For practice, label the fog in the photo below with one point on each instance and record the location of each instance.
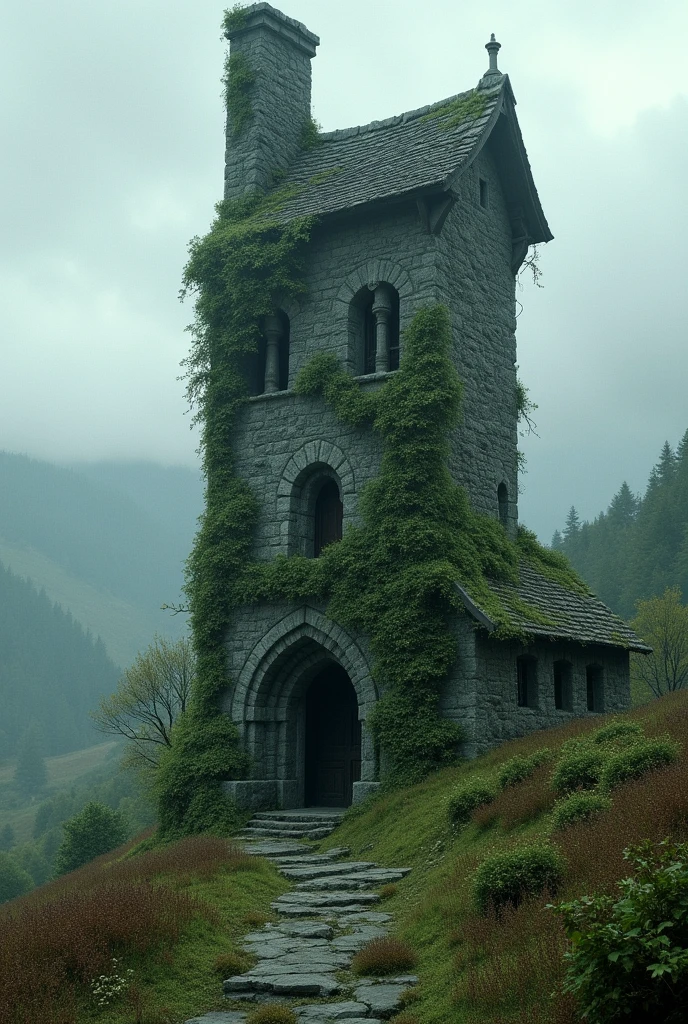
(112, 127)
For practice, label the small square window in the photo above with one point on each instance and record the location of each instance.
(484, 193)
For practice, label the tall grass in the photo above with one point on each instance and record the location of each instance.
(55, 941)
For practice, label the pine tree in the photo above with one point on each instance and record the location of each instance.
(572, 524)
(30, 774)
(557, 541)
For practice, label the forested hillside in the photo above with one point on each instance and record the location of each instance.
(51, 672)
(106, 540)
(639, 546)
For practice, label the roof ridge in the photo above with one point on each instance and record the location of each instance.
(408, 115)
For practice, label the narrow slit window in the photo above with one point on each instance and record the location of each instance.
(563, 686)
(484, 193)
(503, 504)
(329, 514)
(594, 681)
(526, 682)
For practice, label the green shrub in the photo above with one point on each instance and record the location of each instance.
(273, 1013)
(579, 769)
(619, 733)
(508, 877)
(14, 881)
(384, 956)
(518, 768)
(468, 797)
(577, 807)
(95, 831)
(638, 760)
(629, 957)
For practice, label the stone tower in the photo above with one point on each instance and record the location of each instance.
(436, 205)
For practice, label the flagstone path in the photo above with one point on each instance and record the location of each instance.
(323, 920)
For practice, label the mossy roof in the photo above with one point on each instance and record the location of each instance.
(558, 612)
(413, 153)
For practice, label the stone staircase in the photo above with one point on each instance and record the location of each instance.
(323, 920)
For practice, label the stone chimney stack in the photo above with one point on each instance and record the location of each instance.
(274, 53)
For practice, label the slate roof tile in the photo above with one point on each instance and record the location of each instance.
(582, 618)
(402, 154)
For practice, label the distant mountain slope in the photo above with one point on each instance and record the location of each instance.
(51, 671)
(106, 540)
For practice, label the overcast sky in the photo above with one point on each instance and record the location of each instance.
(112, 136)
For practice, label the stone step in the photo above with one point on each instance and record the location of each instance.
(273, 848)
(359, 880)
(325, 1013)
(285, 833)
(303, 860)
(328, 912)
(329, 817)
(325, 870)
(307, 984)
(334, 899)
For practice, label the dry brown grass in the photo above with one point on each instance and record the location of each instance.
(384, 956)
(508, 969)
(387, 891)
(229, 964)
(56, 940)
(274, 1013)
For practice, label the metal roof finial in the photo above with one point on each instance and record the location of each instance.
(493, 48)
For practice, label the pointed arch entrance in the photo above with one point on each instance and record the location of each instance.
(300, 703)
(332, 739)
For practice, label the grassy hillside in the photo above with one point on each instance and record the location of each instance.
(169, 914)
(487, 969)
(124, 627)
(66, 770)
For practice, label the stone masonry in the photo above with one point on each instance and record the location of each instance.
(435, 205)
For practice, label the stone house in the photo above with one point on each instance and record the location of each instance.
(436, 205)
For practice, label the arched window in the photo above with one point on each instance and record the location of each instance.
(328, 517)
(374, 329)
(268, 368)
(563, 686)
(503, 503)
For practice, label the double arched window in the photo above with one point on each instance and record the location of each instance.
(374, 329)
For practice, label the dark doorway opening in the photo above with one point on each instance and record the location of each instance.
(333, 740)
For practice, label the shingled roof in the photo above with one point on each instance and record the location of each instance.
(418, 152)
(582, 618)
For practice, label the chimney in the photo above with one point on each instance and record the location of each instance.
(272, 54)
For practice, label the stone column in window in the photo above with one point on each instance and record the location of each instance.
(382, 311)
(273, 335)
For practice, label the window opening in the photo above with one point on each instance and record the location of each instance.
(369, 337)
(563, 689)
(484, 193)
(503, 503)
(374, 329)
(526, 681)
(594, 688)
(329, 514)
(276, 334)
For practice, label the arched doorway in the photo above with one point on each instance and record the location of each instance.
(333, 739)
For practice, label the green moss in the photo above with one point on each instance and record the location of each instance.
(311, 134)
(238, 80)
(323, 176)
(234, 19)
(468, 107)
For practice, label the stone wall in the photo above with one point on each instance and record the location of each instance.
(476, 282)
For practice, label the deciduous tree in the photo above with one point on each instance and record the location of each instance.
(663, 623)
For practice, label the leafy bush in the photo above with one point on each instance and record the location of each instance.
(629, 957)
(638, 760)
(97, 830)
(619, 733)
(384, 956)
(518, 768)
(577, 807)
(465, 800)
(274, 1013)
(14, 881)
(579, 769)
(506, 878)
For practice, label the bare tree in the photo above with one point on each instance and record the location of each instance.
(662, 622)
(150, 696)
